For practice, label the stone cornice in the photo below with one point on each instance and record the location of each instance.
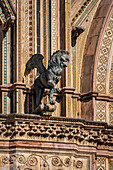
(65, 90)
(56, 129)
(92, 94)
(12, 87)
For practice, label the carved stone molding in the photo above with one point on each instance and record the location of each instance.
(56, 129)
(12, 87)
(8, 12)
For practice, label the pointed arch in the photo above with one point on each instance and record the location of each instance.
(91, 62)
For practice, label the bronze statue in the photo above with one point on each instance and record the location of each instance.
(48, 78)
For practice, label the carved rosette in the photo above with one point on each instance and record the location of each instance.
(56, 161)
(79, 164)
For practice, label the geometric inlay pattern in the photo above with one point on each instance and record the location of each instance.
(2, 17)
(30, 38)
(101, 111)
(5, 59)
(103, 56)
(111, 78)
(111, 165)
(26, 35)
(5, 103)
(19, 40)
(111, 113)
(54, 25)
(19, 59)
(68, 44)
(101, 164)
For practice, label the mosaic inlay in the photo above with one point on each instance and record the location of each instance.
(103, 57)
(101, 111)
(68, 44)
(19, 64)
(111, 165)
(19, 101)
(68, 40)
(74, 80)
(111, 113)
(30, 39)
(5, 58)
(53, 26)
(2, 16)
(101, 164)
(19, 40)
(74, 108)
(5, 103)
(44, 31)
(5, 70)
(26, 35)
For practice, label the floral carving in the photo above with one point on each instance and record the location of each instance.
(12, 159)
(67, 162)
(56, 161)
(36, 161)
(32, 160)
(79, 164)
(5, 160)
(21, 159)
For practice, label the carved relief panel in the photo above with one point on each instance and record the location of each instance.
(44, 162)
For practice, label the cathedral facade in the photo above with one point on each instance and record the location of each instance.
(79, 134)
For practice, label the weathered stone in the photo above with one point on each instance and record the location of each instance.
(102, 11)
(96, 27)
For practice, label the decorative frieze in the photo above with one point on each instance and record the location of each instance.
(53, 129)
(44, 161)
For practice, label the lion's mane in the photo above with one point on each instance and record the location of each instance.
(55, 58)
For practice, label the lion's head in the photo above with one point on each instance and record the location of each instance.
(60, 58)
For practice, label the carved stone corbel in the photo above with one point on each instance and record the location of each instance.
(76, 31)
(9, 22)
(9, 14)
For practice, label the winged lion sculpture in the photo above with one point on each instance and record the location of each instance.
(48, 78)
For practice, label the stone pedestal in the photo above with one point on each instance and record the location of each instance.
(45, 109)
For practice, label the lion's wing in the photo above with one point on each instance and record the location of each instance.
(35, 62)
